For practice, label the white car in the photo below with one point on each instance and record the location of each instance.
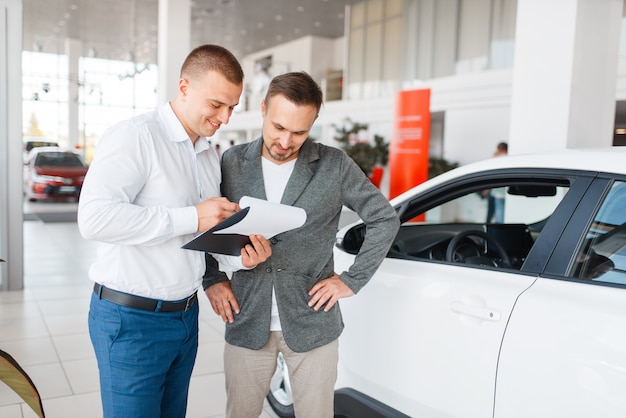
(467, 318)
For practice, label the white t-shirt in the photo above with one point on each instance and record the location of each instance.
(275, 178)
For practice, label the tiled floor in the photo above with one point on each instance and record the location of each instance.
(44, 327)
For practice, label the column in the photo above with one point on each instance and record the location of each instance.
(72, 50)
(564, 75)
(11, 213)
(174, 45)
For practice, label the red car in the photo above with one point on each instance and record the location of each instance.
(53, 173)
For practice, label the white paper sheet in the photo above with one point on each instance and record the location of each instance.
(266, 218)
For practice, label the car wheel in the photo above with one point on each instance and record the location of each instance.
(279, 396)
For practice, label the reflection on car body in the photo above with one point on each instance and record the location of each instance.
(470, 319)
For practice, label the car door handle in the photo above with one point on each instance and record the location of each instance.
(482, 312)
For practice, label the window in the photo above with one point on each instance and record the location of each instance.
(602, 256)
(456, 229)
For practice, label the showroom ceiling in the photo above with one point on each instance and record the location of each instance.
(127, 29)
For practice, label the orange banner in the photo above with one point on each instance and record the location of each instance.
(408, 148)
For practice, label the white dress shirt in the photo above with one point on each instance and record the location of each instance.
(138, 200)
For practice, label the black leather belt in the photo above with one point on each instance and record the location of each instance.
(145, 304)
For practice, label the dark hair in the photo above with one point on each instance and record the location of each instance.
(212, 58)
(503, 146)
(297, 87)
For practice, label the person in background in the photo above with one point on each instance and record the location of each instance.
(495, 197)
(289, 302)
(153, 184)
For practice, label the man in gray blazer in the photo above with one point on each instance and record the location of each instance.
(289, 303)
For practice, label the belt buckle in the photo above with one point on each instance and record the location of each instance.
(189, 302)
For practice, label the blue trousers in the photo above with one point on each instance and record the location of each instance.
(145, 359)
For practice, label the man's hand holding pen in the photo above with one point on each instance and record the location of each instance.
(213, 211)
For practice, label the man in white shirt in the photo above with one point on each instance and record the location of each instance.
(153, 184)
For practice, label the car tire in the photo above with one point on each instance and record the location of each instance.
(280, 397)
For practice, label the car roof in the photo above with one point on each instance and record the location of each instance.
(608, 160)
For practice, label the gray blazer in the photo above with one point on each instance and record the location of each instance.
(324, 179)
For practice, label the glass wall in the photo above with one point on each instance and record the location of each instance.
(108, 91)
(391, 42)
(45, 93)
(375, 48)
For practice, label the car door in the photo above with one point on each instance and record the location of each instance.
(429, 344)
(564, 350)
(424, 335)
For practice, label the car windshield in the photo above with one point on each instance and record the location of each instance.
(59, 159)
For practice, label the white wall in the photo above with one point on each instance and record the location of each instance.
(471, 134)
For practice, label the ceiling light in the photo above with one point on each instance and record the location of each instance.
(300, 9)
(317, 24)
(278, 18)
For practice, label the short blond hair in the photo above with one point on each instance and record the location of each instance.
(212, 58)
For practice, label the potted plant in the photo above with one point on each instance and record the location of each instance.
(438, 166)
(370, 157)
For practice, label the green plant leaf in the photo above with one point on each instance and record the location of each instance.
(16, 378)
(365, 154)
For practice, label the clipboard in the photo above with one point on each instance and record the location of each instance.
(257, 216)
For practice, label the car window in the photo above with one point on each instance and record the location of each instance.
(59, 159)
(602, 256)
(462, 228)
(474, 207)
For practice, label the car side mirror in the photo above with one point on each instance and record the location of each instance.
(353, 239)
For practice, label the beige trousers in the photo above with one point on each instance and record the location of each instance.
(312, 376)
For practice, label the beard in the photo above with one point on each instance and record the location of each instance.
(273, 152)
